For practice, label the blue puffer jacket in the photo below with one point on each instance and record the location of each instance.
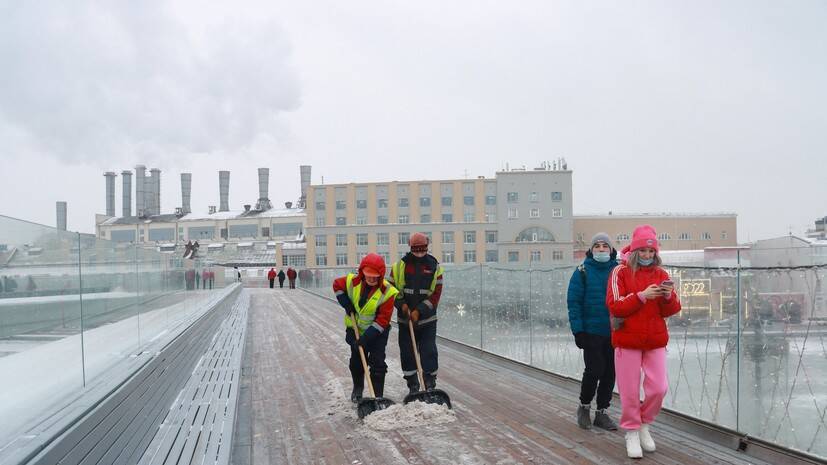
(587, 305)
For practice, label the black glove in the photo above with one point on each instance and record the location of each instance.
(350, 309)
(580, 340)
(368, 336)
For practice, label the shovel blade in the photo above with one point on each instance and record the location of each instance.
(368, 405)
(434, 396)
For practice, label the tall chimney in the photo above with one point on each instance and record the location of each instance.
(263, 187)
(126, 177)
(224, 191)
(140, 190)
(156, 190)
(61, 215)
(186, 189)
(305, 184)
(110, 192)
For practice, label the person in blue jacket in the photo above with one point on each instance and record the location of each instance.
(589, 320)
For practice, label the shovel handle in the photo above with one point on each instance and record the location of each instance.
(416, 355)
(362, 355)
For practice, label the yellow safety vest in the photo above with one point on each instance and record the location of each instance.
(398, 273)
(366, 314)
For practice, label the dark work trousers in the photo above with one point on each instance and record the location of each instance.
(599, 375)
(281, 283)
(375, 353)
(425, 343)
(272, 281)
(292, 284)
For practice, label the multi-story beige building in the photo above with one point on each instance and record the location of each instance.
(520, 216)
(675, 231)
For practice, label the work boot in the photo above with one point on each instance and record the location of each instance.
(358, 387)
(584, 417)
(413, 384)
(633, 450)
(602, 420)
(646, 441)
(430, 382)
(378, 380)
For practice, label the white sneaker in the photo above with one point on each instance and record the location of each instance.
(646, 441)
(633, 449)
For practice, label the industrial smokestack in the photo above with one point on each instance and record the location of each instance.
(305, 184)
(126, 177)
(61, 215)
(186, 189)
(224, 191)
(156, 190)
(263, 187)
(140, 190)
(110, 192)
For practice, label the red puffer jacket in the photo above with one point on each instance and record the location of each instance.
(643, 326)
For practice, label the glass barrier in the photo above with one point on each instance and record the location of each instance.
(78, 312)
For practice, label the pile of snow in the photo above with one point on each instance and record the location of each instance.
(413, 415)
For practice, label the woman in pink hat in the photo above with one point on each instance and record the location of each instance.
(640, 297)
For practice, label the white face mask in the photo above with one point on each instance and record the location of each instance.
(645, 261)
(601, 257)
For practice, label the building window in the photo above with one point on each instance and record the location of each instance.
(470, 237)
(382, 219)
(403, 219)
(403, 202)
(265, 231)
(557, 255)
(385, 256)
(706, 236)
(512, 197)
(535, 234)
(383, 238)
(469, 217)
(362, 204)
(513, 256)
(685, 236)
(341, 259)
(512, 213)
(533, 197)
(402, 238)
(535, 255)
(468, 200)
(319, 205)
(362, 239)
(556, 196)
(491, 256)
(447, 237)
(319, 221)
(491, 237)
(341, 205)
(321, 241)
(447, 218)
(534, 213)
(341, 221)
(447, 201)
(321, 260)
(361, 220)
(381, 203)
(491, 217)
(491, 200)
(664, 237)
(296, 260)
(556, 212)
(470, 256)
(360, 256)
(425, 218)
(341, 240)
(447, 257)
(622, 237)
(424, 201)
(723, 235)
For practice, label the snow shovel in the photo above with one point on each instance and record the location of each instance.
(434, 396)
(367, 405)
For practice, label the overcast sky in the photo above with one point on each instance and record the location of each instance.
(657, 106)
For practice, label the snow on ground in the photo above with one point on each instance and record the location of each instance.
(412, 415)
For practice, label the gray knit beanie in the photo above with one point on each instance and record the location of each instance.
(602, 237)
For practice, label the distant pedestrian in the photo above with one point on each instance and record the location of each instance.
(205, 276)
(281, 276)
(291, 276)
(197, 279)
(589, 321)
(640, 297)
(271, 276)
(238, 274)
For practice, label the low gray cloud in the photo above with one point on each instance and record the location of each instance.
(91, 81)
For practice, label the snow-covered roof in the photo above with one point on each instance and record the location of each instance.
(241, 214)
(294, 245)
(244, 244)
(216, 246)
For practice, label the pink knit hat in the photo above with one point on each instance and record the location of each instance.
(644, 236)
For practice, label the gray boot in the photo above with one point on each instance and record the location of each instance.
(584, 419)
(602, 420)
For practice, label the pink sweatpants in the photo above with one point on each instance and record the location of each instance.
(628, 364)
